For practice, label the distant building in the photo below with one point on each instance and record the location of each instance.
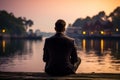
(73, 31)
(37, 32)
(30, 32)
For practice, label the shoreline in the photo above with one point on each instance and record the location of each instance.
(22, 38)
(96, 37)
(42, 75)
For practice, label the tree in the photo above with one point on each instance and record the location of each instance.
(12, 24)
(115, 15)
(28, 23)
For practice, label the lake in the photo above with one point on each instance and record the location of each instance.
(98, 55)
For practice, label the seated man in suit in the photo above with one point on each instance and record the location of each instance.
(60, 53)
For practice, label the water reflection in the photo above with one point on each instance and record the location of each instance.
(98, 55)
(10, 47)
(17, 55)
(99, 45)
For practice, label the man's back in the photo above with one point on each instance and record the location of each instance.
(59, 49)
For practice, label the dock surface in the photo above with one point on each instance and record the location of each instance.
(40, 75)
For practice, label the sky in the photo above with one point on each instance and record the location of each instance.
(45, 13)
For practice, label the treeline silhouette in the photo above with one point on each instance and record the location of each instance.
(14, 25)
(101, 21)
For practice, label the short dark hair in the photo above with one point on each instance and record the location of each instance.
(60, 25)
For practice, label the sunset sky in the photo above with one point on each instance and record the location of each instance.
(44, 13)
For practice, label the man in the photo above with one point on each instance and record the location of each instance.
(60, 53)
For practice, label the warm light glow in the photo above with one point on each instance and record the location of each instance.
(92, 32)
(3, 30)
(84, 32)
(102, 32)
(117, 29)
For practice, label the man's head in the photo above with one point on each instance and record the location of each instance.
(60, 25)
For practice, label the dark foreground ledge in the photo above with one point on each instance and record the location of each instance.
(40, 75)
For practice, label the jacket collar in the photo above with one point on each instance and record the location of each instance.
(59, 34)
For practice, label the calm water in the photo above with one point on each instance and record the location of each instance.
(98, 55)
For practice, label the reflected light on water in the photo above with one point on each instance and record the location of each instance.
(102, 45)
(3, 45)
(97, 56)
(84, 45)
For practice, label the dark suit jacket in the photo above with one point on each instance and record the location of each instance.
(59, 54)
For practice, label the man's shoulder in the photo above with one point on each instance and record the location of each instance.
(69, 38)
(49, 38)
